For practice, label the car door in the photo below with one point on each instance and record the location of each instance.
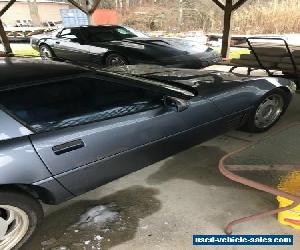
(101, 41)
(69, 45)
(89, 131)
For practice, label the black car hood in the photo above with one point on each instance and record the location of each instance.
(201, 80)
(175, 43)
(185, 46)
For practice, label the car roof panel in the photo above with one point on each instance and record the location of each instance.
(19, 71)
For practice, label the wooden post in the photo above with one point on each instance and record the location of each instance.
(228, 9)
(226, 29)
(4, 39)
(3, 36)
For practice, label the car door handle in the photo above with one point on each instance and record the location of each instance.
(57, 42)
(68, 146)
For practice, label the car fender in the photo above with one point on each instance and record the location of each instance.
(19, 162)
(20, 166)
(246, 95)
(132, 52)
(46, 41)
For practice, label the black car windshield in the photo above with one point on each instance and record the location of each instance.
(104, 34)
(127, 32)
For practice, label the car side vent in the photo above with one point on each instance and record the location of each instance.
(236, 121)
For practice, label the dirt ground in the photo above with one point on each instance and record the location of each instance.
(163, 205)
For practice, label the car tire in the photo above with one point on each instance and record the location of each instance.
(20, 216)
(46, 53)
(114, 59)
(268, 111)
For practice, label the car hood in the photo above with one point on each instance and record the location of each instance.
(44, 35)
(198, 79)
(175, 43)
(204, 82)
(180, 45)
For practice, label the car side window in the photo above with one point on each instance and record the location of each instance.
(65, 32)
(74, 35)
(68, 34)
(75, 102)
(100, 35)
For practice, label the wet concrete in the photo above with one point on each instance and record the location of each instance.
(60, 230)
(162, 205)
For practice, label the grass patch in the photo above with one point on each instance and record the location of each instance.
(236, 52)
(30, 52)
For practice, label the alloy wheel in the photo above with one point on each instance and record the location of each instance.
(269, 111)
(14, 224)
(116, 61)
(45, 53)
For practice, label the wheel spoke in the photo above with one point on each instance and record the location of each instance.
(14, 224)
(268, 111)
(3, 228)
(11, 217)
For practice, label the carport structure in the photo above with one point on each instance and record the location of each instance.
(89, 6)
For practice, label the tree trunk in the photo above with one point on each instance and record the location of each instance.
(227, 29)
(90, 18)
(4, 39)
(180, 14)
(34, 12)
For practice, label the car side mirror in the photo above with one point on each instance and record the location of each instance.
(179, 104)
(81, 42)
(76, 40)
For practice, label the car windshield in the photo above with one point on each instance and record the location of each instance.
(102, 34)
(127, 32)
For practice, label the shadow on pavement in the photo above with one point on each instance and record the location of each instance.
(199, 164)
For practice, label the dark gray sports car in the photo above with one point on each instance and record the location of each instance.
(117, 45)
(62, 123)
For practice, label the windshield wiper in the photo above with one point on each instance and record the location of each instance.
(168, 81)
(151, 76)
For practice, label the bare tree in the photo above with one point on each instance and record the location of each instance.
(127, 4)
(34, 12)
(180, 10)
(87, 6)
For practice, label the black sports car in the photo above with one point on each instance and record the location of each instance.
(111, 45)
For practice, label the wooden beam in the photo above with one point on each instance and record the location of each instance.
(6, 7)
(77, 5)
(4, 39)
(94, 7)
(238, 4)
(3, 36)
(220, 4)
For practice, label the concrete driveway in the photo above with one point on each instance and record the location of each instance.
(163, 205)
